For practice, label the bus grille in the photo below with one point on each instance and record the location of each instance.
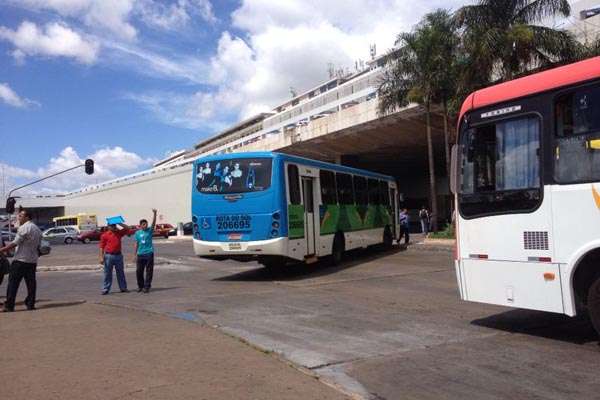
(535, 240)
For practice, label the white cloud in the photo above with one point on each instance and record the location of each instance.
(286, 44)
(109, 163)
(56, 40)
(8, 96)
(175, 15)
(106, 15)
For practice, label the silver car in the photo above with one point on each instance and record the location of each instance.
(63, 234)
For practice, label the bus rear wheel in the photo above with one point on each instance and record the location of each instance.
(593, 304)
(388, 238)
(337, 252)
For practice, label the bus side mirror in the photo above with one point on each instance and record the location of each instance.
(454, 169)
(10, 205)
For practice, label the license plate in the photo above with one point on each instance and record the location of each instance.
(235, 236)
(239, 223)
(235, 246)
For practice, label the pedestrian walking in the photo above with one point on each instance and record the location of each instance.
(144, 254)
(111, 256)
(424, 217)
(24, 264)
(404, 222)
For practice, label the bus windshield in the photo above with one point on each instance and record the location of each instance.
(500, 167)
(238, 175)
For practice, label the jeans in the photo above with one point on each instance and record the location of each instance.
(145, 262)
(20, 270)
(111, 260)
(424, 226)
(404, 232)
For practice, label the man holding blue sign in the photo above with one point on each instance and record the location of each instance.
(144, 254)
(111, 255)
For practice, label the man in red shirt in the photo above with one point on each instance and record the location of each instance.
(110, 255)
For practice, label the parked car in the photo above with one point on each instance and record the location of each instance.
(162, 230)
(91, 236)
(188, 229)
(64, 235)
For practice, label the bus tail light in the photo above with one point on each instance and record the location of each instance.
(540, 259)
(479, 256)
(549, 276)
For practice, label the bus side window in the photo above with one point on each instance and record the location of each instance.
(374, 192)
(328, 190)
(344, 188)
(384, 193)
(360, 189)
(294, 184)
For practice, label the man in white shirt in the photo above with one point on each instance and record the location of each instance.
(24, 264)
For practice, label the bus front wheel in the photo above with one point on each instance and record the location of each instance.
(593, 303)
(337, 252)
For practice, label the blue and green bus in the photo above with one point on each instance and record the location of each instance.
(272, 207)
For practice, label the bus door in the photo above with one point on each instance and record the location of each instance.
(308, 198)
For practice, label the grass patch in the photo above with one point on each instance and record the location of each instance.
(446, 233)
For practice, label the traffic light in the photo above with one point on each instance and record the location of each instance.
(89, 166)
(10, 205)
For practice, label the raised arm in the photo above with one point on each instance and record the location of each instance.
(154, 211)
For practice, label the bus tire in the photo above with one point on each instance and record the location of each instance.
(388, 238)
(338, 248)
(593, 303)
(68, 240)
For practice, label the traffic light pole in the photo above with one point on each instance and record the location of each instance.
(9, 197)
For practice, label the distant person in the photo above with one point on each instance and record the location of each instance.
(144, 254)
(24, 264)
(424, 217)
(111, 256)
(404, 222)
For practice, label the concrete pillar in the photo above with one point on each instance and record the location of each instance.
(180, 230)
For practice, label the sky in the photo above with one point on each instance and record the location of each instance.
(128, 82)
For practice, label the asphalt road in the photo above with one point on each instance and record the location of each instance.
(382, 325)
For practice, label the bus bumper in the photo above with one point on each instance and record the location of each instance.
(277, 247)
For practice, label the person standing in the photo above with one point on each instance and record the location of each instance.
(404, 222)
(24, 264)
(144, 254)
(111, 256)
(424, 217)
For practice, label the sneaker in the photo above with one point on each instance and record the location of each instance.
(124, 291)
(146, 290)
(104, 292)
(140, 290)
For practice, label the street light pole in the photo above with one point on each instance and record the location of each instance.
(10, 201)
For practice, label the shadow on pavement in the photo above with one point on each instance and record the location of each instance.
(299, 271)
(160, 289)
(577, 330)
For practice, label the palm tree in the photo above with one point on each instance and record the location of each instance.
(503, 39)
(419, 70)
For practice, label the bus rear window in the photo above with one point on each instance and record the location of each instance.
(240, 175)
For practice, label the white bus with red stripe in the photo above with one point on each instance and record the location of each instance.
(526, 176)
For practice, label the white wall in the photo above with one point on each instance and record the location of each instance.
(168, 191)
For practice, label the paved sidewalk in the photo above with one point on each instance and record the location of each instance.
(92, 351)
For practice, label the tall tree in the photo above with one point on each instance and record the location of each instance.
(503, 39)
(419, 70)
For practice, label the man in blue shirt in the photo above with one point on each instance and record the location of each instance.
(144, 254)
